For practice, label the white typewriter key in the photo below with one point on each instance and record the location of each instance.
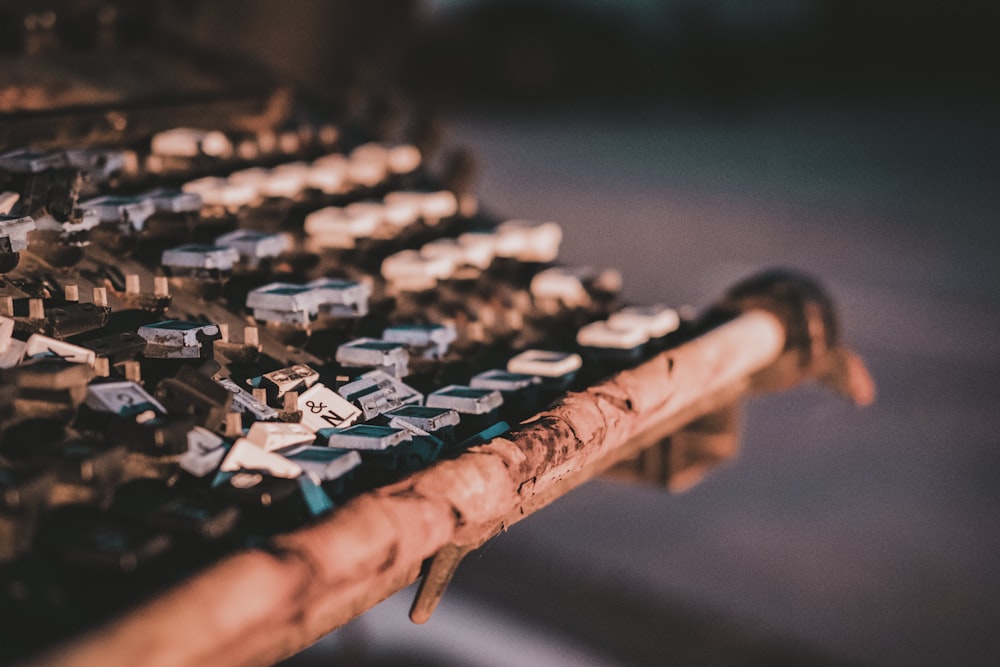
(403, 159)
(512, 239)
(199, 256)
(436, 206)
(421, 335)
(178, 333)
(341, 298)
(99, 165)
(370, 212)
(479, 248)
(245, 455)
(289, 142)
(440, 267)
(292, 378)
(12, 354)
(371, 352)
(366, 437)
(283, 298)
(244, 401)
(428, 340)
(503, 380)
(216, 144)
(563, 285)
(370, 152)
(118, 208)
(377, 392)
(602, 335)
(246, 480)
(401, 209)
(529, 241)
(121, 398)
(169, 200)
(204, 454)
(190, 142)
(153, 351)
(544, 241)
(368, 165)
(7, 201)
(409, 270)
(447, 248)
(336, 227)
(255, 245)
(88, 220)
(657, 321)
(324, 408)
(367, 174)
(247, 149)
(273, 436)
(331, 239)
(31, 161)
(545, 363)
(608, 280)
(329, 174)
(14, 232)
(6, 332)
(286, 180)
(254, 177)
(323, 463)
(465, 400)
(427, 419)
(396, 422)
(216, 191)
(39, 345)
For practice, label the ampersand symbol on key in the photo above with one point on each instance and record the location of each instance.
(314, 407)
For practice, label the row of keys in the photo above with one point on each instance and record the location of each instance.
(384, 329)
(472, 252)
(343, 227)
(366, 166)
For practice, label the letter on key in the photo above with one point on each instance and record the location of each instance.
(322, 408)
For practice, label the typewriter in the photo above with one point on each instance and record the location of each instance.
(227, 310)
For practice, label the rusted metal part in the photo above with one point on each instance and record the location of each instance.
(259, 606)
(812, 351)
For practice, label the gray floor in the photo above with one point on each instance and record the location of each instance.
(860, 536)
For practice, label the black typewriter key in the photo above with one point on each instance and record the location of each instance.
(117, 347)
(256, 490)
(25, 488)
(201, 515)
(37, 608)
(87, 470)
(87, 538)
(521, 392)
(136, 500)
(196, 521)
(267, 504)
(25, 491)
(438, 422)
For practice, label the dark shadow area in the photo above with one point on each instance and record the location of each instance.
(500, 52)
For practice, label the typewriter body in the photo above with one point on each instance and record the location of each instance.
(233, 316)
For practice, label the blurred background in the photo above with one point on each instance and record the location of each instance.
(690, 143)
